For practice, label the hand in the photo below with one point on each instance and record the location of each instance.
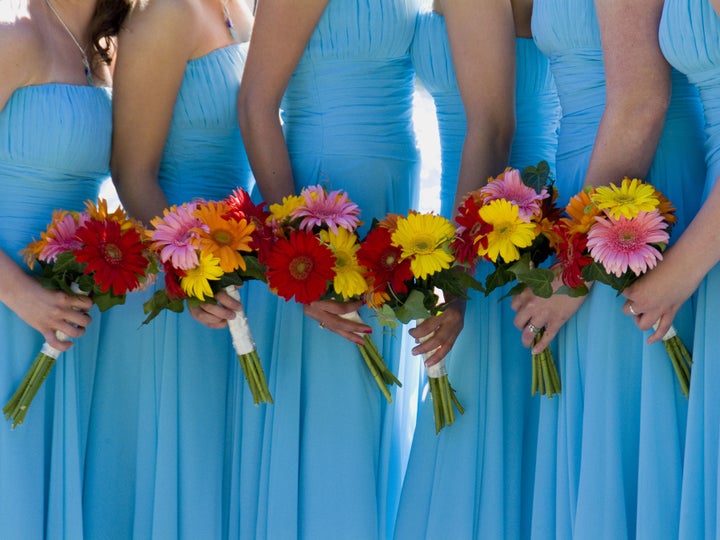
(441, 332)
(327, 313)
(533, 312)
(216, 315)
(50, 311)
(657, 296)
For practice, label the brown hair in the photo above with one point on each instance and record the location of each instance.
(106, 23)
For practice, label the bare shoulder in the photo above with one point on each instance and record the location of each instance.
(162, 18)
(20, 48)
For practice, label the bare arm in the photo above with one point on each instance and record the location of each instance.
(280, 34)
(153, 51)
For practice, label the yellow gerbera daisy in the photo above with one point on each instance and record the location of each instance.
(280, 211)
(224, 238)
(633, 196)
(509, 231)
(348, 280)
(196, 282)
(423, 238)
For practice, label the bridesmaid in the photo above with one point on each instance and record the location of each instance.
(690, 39)
(170, 400)
(55, 126)
(475, 478)
(616, 446)
(343, 73)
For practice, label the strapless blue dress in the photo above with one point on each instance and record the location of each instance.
(54, 154)
(475, 478)
(690, 39)
(329, 462)
(611, 458)
(170, 398)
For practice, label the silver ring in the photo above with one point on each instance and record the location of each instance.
(632, 311)
(534, 330)
(322, 325)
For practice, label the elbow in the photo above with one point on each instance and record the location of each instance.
(494, 133)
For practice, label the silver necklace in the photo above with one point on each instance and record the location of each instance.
(85, 62)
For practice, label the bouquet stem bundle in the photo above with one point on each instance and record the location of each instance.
(545, 377)
(247, 353)
(442, 393)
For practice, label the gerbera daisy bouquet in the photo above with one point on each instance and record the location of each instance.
(614, 234)
(210, 246)
(96, 253)
(510, 223)
(314, 256)
(411, 271)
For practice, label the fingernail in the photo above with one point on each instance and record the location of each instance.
(368, 331)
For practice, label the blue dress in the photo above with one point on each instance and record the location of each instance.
(170, 395)
(475, 478)
(329, 466)
(690, 39)
(56, 167)
(616, 443)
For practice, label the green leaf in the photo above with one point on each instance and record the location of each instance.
(386, 316)
(577, 291)
(158, 302)
(538, 279)
(498, 278)
(413, 308)
(537, 177)
(106, 300)
(595, 272)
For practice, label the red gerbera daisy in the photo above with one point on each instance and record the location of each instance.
(572, 256)
(115, 257)
(241, 206)
(471, 230)
(383, 264)
(172, 282)
(300, 266)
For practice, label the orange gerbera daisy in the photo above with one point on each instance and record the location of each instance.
(224, 238)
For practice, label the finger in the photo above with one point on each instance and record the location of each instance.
(207, 319)
(52, 340)
(81, 303)
(629, 309)
(425, 328)
(437, 355)
(227, 301)
(218, 311)
(663, 326)
(78, 318)
(546, 339)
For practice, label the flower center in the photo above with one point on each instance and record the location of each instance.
(222, 237)
(388, 260)
(301, 267)
(112, 254)
(424, 244)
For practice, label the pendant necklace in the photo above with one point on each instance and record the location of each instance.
(228, 20)
(85, 62)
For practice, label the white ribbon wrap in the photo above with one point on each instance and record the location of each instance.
(436, 370)
(239, 327)
(671, 333)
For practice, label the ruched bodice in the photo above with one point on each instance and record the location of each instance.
(690, 40)
(54, 153)
(353, 86)
(204, 154)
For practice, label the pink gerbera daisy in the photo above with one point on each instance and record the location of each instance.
(509, 186)
(322, 209)
(173, 236)
(622, 244)
(62, 236)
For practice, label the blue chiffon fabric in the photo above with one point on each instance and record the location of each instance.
(329, 465)
(54, 154)
(475, 478)
(690, 39)
(170, 399)
(610, 454)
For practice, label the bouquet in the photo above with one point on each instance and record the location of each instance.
(509, 222)
(408, 264)
(94, 253)
(206, 247)
(614, 234)
(314, 256)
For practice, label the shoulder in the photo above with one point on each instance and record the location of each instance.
(162, 18)
(21, 49)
